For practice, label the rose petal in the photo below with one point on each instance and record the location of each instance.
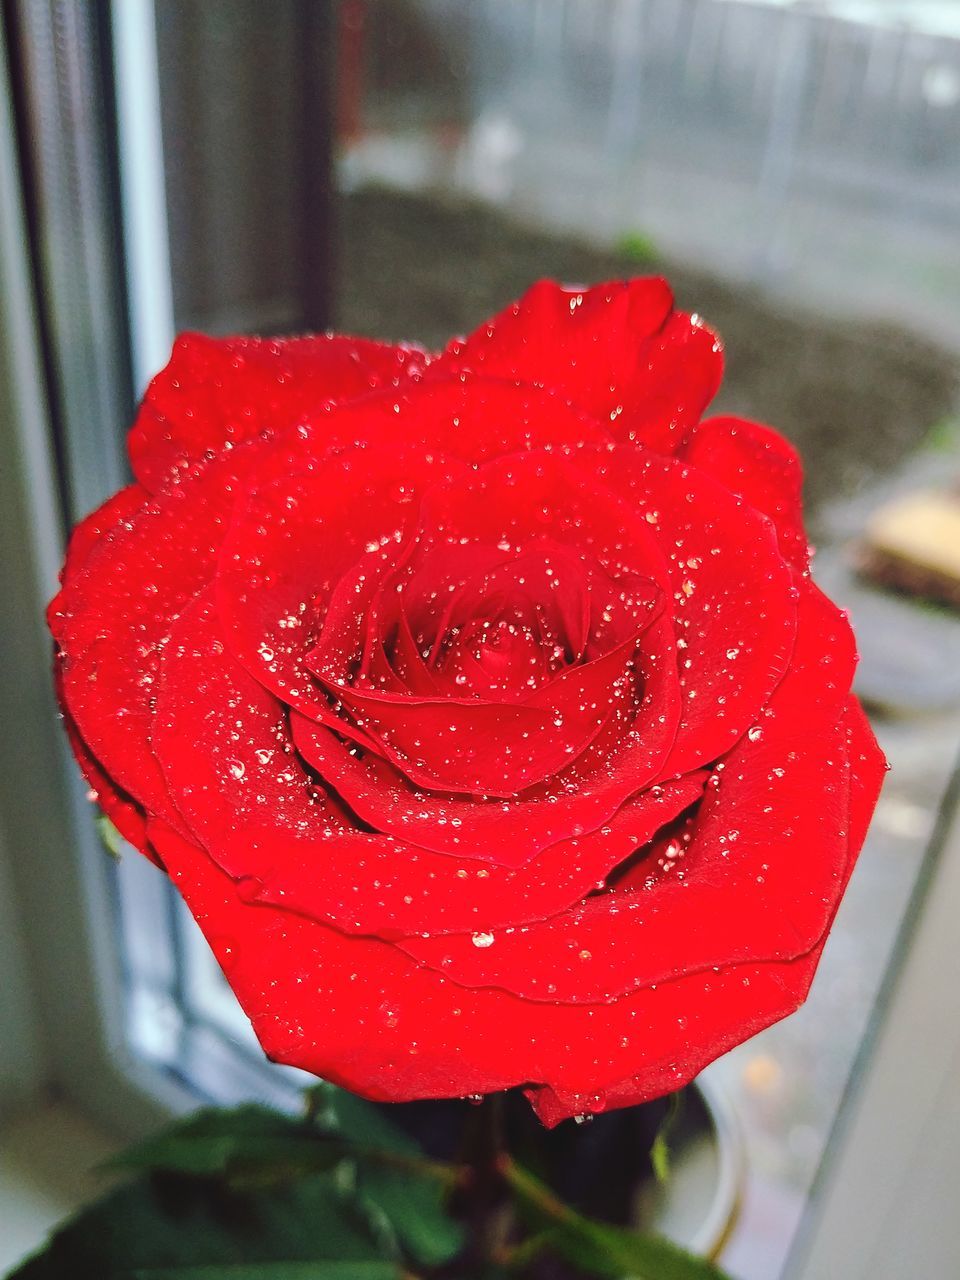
(125, 814)
(85, 536)
(682, 374)
(867, 769)
(699, 1018)
(222, 742)
(764, 468)
(617, 350)
(357, 1012)
(734, 597)
(113, 615)
(216, 392)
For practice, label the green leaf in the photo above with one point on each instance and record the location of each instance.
(278, 1271)
(252, 1149)
(601, 1250)
(225, 1190)
(110, 837)
(637, 247)
(238, 1142)
(406, 1190)
(336, 1112)
(660, 1158)
(169, 1221)
(660, 1150)
(596, 1248)
(415, 1209)
(252, 1145)
(943, 436)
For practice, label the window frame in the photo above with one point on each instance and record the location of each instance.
(55, 369)
(884, 1203)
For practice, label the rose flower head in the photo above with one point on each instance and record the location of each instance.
(480, 705)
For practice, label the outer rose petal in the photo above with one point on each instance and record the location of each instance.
(617, 350)
(471, 418)
(734, 597)
(127, 816)
(682, 375)
(780, 989)
(357, 1012)
(122, 506)
(867, 769)
(122, 811)
(219, 391)
(764, 468)
(112, 616)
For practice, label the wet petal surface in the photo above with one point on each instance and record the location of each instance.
(217, 392)
(618, 350)
(480, 706)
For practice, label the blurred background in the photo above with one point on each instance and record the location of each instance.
(403, 168)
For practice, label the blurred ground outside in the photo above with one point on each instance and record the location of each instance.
(808, 149)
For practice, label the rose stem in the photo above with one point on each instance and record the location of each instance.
(484, 1190)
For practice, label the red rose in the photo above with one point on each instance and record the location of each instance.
(480, 705)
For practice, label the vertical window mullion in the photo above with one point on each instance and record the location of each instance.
(66, 145)
(143, 188)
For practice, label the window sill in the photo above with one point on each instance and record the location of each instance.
(48, 1159)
